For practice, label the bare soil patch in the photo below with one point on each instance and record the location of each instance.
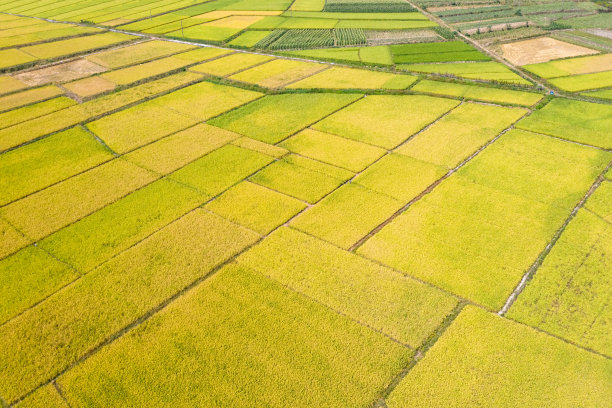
(90, 86)
(541, 49)
(59, 73)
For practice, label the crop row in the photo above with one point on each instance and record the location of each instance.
(368, 6)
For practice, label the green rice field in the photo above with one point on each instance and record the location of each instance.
(242, 203)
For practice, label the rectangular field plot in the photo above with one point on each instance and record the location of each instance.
(335, 150)
(478, 92)
(76, 45)
(399, 176)
(347, 78)
(9, 84)
(457, 370)
(385, 120)
(299, 177)
(13, 57)
(33, 111)
(436, 52)
(51, 209)
(572, 66)
(47, 161)
(29, 96)
(492, 71)
(582, 122)
(177, 150)
(347, 215)
(11, 240)
(255, 207)
(125, 76)
(105, 233)
(285, 331)
(498, 223)
(383, 299)
(569, 294)
(249, 38)
(273, 118)
(137, 53)
(460, 133)
(231, 64)
(52, 335)
(278, 73)
(600, 202)
(584, 82)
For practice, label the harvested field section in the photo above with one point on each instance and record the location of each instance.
(302, 178)
(273, 118)
(58, 73)
(278, 73)
(460, 133)
(9, 84)
(346, 215)
(385, 121)
(285, 332)
(400, 307)
(40, 164)
(569, 293)
(90, 86)
(48, 338)
(478, 345)
(541, 49)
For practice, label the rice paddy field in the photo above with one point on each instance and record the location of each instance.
(243, 203)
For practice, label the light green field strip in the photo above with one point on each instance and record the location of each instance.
(385, 300)
(255, 207)
(302, 178)
(38, 165)
(49, 210)
(13, 57)
(570, 293)
(76, 45)
(460, 133)
(600, 201)
(10, 239)
(307, 5)
(273, 368)
(582, 122)
(10, 84)
(261, 147)
(137, 54)
(27, 277)
(530, 369)
(572, 66)
(354, 15)
(584, 82)
(177, 150)
(385, 120)
(33, 111)
(249, 38)
(221, 169)
(26, 131)
(524, 186)
(278, 73)
(347, 78)
(273, 118)
(48, 338)
(218, 30)
(604, 94)
(336, 150)
(478, 92)
(105, 233)
(45, 397)
(346, 215)
(489, 70)
(400, 176)
(231, 64)
(29, 96)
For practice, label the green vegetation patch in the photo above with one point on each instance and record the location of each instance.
(368, 6)
(249, 39)
(347, 215)
(582, 122)
(456, 371)
(336, 150)
(569, 293)
(385, 120)
(137, 53)
(54, 334)
(491, 71)
(273, 118)
(285, 332)
(400, 307)
(400, 176)
(255, 207)
(460, 133)
(301, 177)
(47, 161)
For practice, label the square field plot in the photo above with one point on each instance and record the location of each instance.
(402, 308)
(300, 177)
(347, 215)
(336, 150)
(284, 331)
(386, 121)
(275, 117)
(255, 207)
(569, 294)
(278, 73)
(530, 368)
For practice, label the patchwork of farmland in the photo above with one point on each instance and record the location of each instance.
(325, 222)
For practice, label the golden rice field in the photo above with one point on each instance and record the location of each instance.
(190, 220)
